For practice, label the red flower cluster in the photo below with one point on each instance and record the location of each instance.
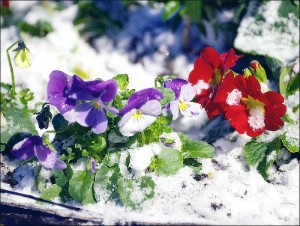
(238, 97)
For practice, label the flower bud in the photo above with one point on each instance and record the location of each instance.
(23, 57)
(258, 71)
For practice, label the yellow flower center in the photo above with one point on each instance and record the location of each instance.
(251, 103)
(96, 105)
(137, 115)
(182, 105)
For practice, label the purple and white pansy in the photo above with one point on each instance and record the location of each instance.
(184, 94)
(82, 102)
(141, 111)
(33, 146)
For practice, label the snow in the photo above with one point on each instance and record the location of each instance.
(225, 191)
(256, 118)
(272, 35)
(234, 97)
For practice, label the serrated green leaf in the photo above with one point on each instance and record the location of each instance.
(196, 149)
(17, 126)
(134, 192)
(168, 162)
(122, 81)
(81, 186)
(106, 179)
(170, 9)
(50, 193)
(254, 152)
(169, 95)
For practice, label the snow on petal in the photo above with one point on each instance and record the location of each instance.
(256, 119)
(234, 97)
(200, 86)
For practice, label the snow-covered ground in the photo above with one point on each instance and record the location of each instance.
(225, 191)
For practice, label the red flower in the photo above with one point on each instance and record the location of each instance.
(248, 109)
(208, 72)
(5, 3)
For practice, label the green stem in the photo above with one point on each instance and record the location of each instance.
(143, 141)
(11, 68)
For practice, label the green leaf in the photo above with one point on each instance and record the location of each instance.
(60, 178)
(171, 8)
(290, 138)
(112, 158)
(269, 158)
(168, 162)
(81, 187)
(106, 179)
(98, 145)
(169, 95)
(284, 79)
(50, 193)
(196, 149)
(122, 81)
(193, 164)
(293, 85)
(254, 152)
(133, 193)
(288, 7)
(15, 126)
(194, 10)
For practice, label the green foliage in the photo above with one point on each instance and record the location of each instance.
(169, 96)
(196, 149)
(106, 179)
(288, 7)
(122, 81)
(93, 20)
(192, 163)
(170, 9)
(81, 187)
(15, 126)
(262, 154)
(50, 193)
(133, 193)
(40, 29)
(168, 162)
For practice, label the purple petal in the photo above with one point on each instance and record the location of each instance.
(175, 85)
(138, 99)
(111, 109)
(98, 120)
(25, 148)
(60, 165)
(58, 91)
(81, 113)
(45, 156)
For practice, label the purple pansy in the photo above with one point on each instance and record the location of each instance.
(33, 146)
(80, 101)
(142, 109)
(92, 111)
(184, 94)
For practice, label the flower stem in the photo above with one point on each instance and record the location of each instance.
(143, 141)
(11, 69)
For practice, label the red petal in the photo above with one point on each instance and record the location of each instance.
(226, 86)
(237, 116)
(201, 71)
(253, 84)
(254, 133)
(273, 97)
(273, 122)
(229, 60)
(211, 56)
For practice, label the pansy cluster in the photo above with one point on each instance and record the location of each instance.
(238, 97)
